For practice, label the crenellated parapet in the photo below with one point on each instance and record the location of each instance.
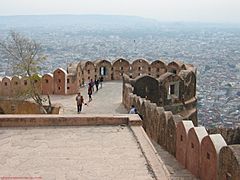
(63, 82)
(165, 97)
(229, 162)
(174, 92)
(207, 156)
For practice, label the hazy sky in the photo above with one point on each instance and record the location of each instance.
(164, 10)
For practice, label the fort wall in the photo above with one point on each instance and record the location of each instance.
(64, 82)
(230, 135)
(47, 84)
(165, 97)
(207, 156)
(23, 107)
(229, 162)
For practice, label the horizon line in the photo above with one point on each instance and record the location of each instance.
(137, 16)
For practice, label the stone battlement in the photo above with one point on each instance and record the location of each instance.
(207, 156)
(63, 82)
(165, 97)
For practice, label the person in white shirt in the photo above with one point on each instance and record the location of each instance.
(133, 110)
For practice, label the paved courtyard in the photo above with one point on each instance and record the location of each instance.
(108, 100)
(95, 152)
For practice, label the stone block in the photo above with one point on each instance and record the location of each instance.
(210, 148)
(193, 154)
(229, 162)
(182, 130)
(171, 134)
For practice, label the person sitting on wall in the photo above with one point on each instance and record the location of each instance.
(133, 110)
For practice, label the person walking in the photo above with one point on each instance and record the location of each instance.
(91, 83)
(96, 84)
(80, 102)
(90, 93)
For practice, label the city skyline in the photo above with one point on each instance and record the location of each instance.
(220, 11)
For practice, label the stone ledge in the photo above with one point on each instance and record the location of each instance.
(68, 120)
(134, 120)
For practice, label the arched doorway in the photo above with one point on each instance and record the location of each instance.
(102, 71)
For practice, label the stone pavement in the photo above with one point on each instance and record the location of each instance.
(108, 100)
(93, 152)
(87, 153)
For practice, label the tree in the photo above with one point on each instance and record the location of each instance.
(25, 58)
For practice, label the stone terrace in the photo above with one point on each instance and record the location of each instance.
(72, 153)
(115, 151)
(108, 100)
(117, 148)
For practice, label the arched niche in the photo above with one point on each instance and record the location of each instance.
(158, 68)
(47, 84)
(140, 67)
(120, 66)
(60, 81)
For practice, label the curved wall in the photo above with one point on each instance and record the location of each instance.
(68, 82)
(206, 156)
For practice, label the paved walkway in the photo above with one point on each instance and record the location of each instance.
(107, 100)
(87, 153)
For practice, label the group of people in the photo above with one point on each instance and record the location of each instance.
(80, 100)
(96, 82)
(79, 97)
(91, 84)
